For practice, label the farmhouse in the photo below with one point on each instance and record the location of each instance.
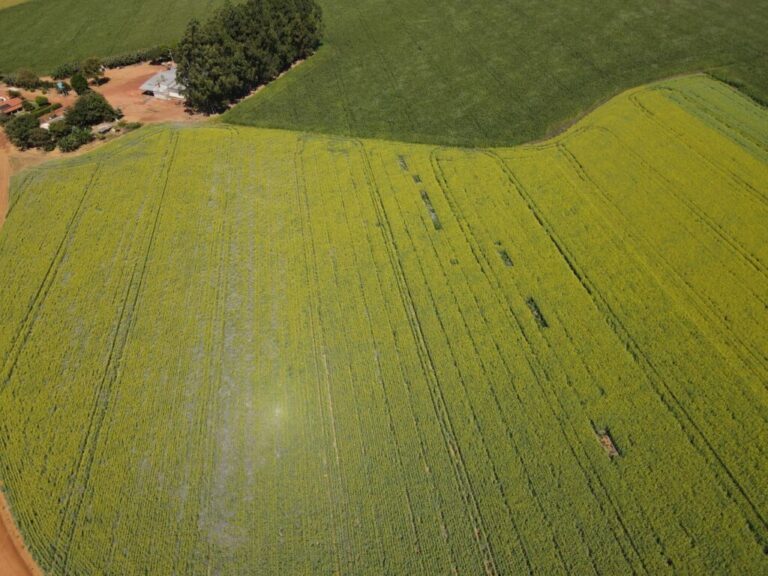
(164, 86)
(10, 106)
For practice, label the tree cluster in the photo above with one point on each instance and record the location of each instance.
(25, 79)
(154, 55)
(90, 109)
(24, 130)
(243, 46)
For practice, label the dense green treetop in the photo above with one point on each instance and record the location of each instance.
(243, 46)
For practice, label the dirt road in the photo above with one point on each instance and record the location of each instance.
(15, 559)
(5, 176)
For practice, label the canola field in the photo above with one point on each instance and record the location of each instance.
(236, 350)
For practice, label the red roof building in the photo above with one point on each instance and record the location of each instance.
(11, 106)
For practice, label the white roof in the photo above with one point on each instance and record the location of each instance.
(163, 82)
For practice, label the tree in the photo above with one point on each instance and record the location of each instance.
(41, 138)
(19, 128)
(27, 79)
(75, 139)
(90, 109)
(243, 46)
(79, 83)
(59, 129)
(92, 68)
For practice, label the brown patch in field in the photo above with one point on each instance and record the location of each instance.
(606, 441)
(506, 258)
(15, 559)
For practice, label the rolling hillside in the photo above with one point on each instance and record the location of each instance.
(41, 34)
(501, 72)
(232, 347)
(497, 72)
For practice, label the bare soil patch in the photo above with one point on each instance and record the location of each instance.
(606, 441)
(5, 176)
(123, 90)
(15, 559)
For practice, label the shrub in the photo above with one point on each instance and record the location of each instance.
(75, 139)
(90, 109)
(66, 70)
(41, 101)
(41, 138)
(91, 68)
(59, 129)
(18, 129)
(25, 79)
(79, 83)
(40, 112)
(28, 106)
(155, 55)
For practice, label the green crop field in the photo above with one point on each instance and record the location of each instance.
(498, 72)
(41, 34)
(234, 350)
(501, 72)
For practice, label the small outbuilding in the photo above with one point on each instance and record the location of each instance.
(104, 128)
(11, 106)
(164, 86)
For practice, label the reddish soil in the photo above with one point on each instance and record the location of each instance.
(5, 176)
(123, 91)
(15, 559)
